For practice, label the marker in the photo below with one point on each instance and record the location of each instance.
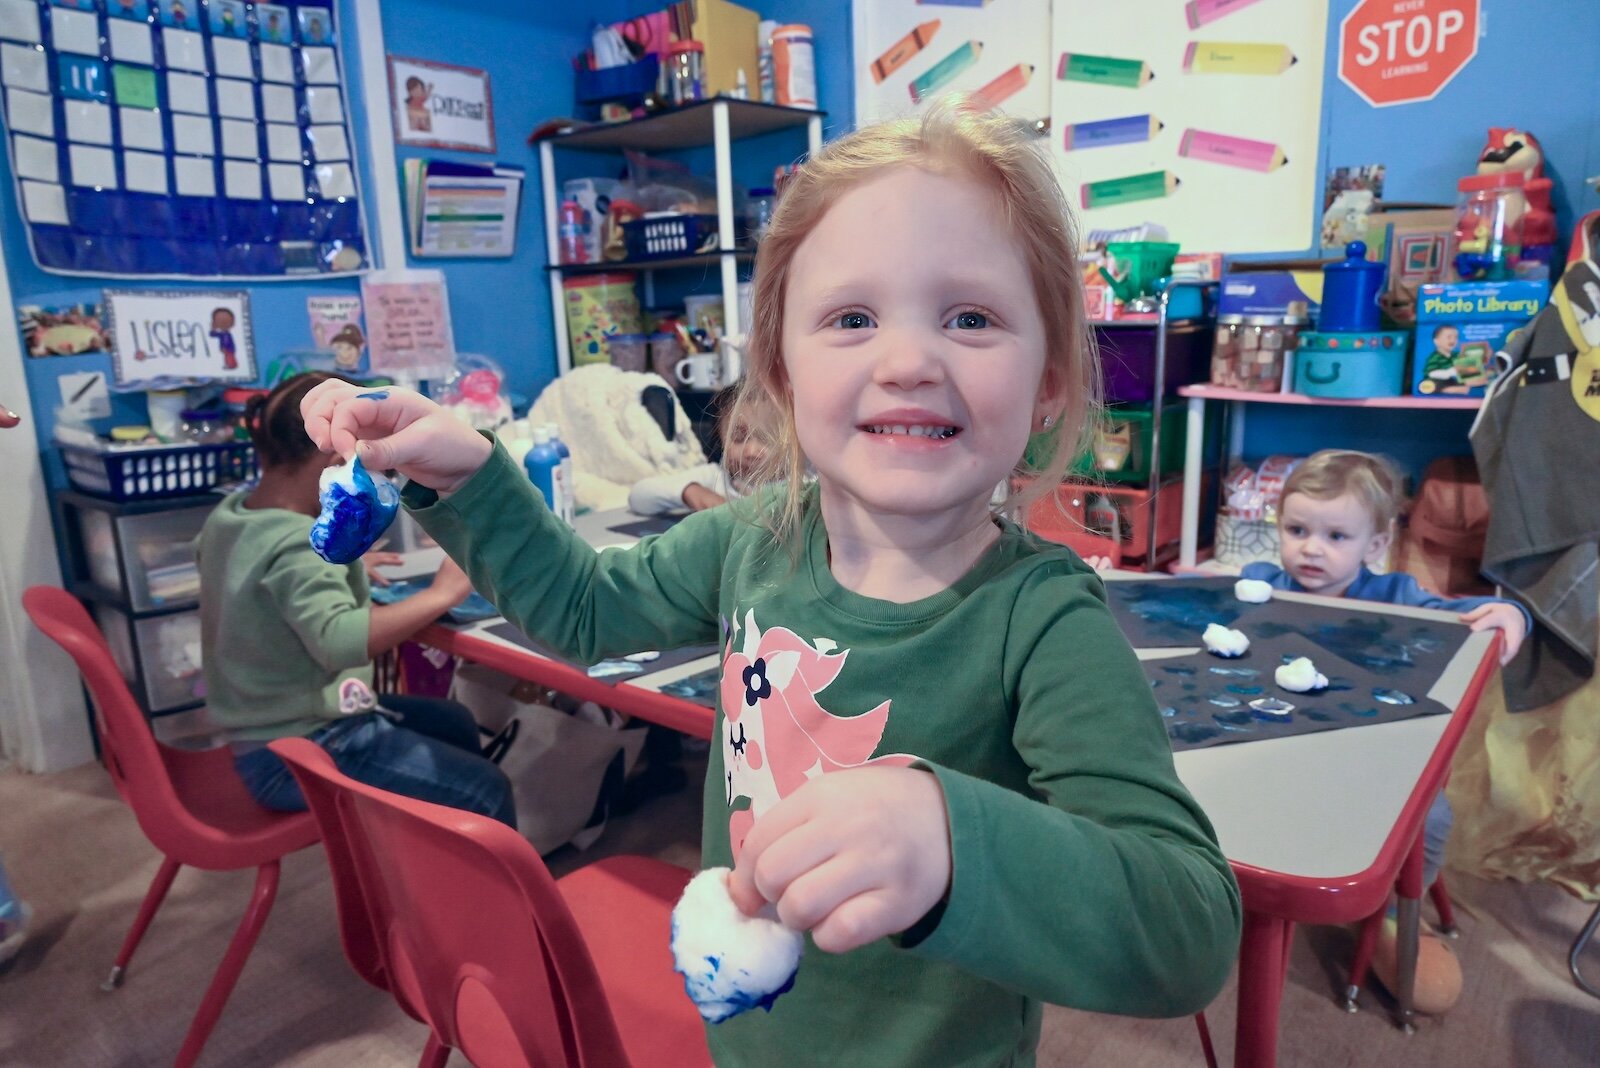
(1003, 87)
(903, 49)
(944, 71)
(1152, 185)
(1103, 70)
(1106, 132)
(1240, 152)
(1232, 57)
(1200, 12)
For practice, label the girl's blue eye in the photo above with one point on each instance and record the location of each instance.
(1338, 536)
(969, 320)
(1296, 531)
(853, 321)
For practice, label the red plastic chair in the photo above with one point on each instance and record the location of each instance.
(457, 917)
(192, 805)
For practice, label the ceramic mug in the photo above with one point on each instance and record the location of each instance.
(701, 371)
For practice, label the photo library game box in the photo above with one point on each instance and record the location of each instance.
(1460, 327)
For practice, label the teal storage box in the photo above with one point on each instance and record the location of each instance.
(1351, 366)
(1460, 327)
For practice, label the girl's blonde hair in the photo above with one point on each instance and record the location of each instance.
(950, 138)
(1370, 479)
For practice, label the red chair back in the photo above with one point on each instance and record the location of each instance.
(456, 915)
(191, 804)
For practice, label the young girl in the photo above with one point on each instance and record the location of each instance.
(288, 640)
(938, 754)
(1337, 514)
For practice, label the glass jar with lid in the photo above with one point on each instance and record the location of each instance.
(205, 426)
(1486, 242)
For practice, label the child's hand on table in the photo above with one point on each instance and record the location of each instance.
(1099, 563)
(851, 856)
(1506, 618)
(397, 429)
(373, 560)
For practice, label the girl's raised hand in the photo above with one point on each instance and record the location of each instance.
(394, 429)
(851, 856)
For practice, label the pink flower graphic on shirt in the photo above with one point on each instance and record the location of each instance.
(776, 736)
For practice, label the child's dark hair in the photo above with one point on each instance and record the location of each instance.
(276, 429)
(1442, 328)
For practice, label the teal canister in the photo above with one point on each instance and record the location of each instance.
(1351, 365)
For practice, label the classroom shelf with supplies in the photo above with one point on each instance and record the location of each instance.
(718, 123)
(1234, 401)
(1123, 500)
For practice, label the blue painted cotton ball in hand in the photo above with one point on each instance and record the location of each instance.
(357, 507)
(730, 962)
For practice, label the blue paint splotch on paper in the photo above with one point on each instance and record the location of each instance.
(357, 507)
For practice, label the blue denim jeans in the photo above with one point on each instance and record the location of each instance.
(1435, 833)
(420, 747)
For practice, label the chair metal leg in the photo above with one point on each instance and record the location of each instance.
(153, 898)
(1205, 1039)
(1441, 904)
(1583, 940)
(434, 1054)
(1406, 963)
(1362, 960)
(227, 974)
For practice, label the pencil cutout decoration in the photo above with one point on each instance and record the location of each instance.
(1152, 185)
(1105, 132)
(945, 71)
(1233, 57)
(1229, 151)
(1004, 87)
(1103, 70)
(1201, 12)
(903, 49)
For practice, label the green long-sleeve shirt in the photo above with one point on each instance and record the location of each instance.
(1083, 872)
(280, 628)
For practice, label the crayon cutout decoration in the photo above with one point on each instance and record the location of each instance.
(1263, 156)
(1203, 12)
(1234, 57)
(1103, 133)
(1151, 185)
(899, 53)
(944, 72)
(1004, 87)
(1103, 70)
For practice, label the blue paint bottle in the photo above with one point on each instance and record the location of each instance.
(543, 464)
(568, 486)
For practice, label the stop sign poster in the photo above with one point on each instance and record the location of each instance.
(1400, 51)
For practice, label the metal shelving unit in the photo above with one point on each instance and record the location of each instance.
(717, 123)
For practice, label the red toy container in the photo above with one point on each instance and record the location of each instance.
(1099, 519)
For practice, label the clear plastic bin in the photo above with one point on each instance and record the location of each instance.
(157, 550)
(169, 656)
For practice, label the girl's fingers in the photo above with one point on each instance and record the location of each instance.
(362, 417)
(786, 859)
(856, 921)
(398, 450)
(317, 408)
(816, 893)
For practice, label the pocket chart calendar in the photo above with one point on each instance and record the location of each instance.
(181, 138)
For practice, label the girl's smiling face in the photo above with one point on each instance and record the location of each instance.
(913, 347)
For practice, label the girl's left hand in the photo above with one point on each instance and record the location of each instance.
(851, 856)
(1506, 618)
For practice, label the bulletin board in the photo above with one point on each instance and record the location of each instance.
(1204, 117)
(908, 52)
(181, 139)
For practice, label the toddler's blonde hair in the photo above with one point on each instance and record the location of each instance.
(1370, 479)
(950, 138)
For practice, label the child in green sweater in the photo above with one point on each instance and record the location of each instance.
(937, 754)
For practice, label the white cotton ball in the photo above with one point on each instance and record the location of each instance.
(1253, 591)
(730, 962)
(1222, 641)
(1301, 676)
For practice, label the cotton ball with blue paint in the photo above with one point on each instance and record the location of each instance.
(1223, 641)
(730, 962)
(1300, 675)
(357, 507)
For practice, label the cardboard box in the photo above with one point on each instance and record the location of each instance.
(1283, 288)
(1460, 327)
(1410, 239)
(729, 33)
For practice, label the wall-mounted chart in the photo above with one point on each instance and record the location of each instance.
(181, 139)
(1204, 117)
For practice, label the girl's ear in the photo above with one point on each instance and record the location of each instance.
(1051, 396)
(1378, 547)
